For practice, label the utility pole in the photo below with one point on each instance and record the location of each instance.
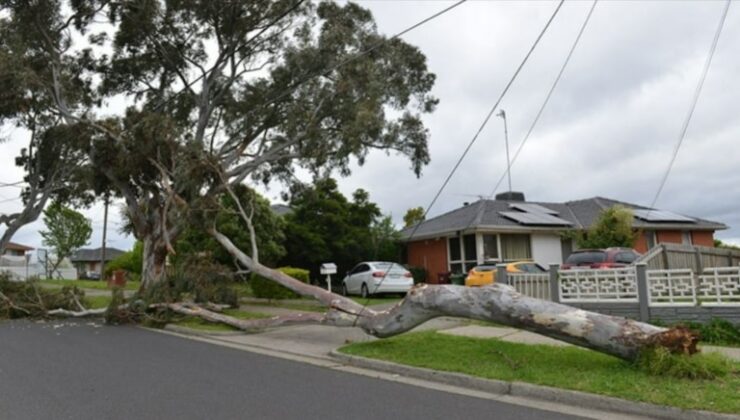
(502, 114)
(105, 229)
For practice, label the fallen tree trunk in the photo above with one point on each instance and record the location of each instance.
(616, 336)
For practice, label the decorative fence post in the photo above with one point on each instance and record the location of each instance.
(501, 276)
(642, 291)
(554, 283)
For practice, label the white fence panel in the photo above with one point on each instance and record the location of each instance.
(719, 286)
(671, 287)
(37, 270)
(605, 285)
(536, 285)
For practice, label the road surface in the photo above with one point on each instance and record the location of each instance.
(83, 370)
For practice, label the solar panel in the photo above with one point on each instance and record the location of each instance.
(535, 219)
(532, 208)
(661, 216)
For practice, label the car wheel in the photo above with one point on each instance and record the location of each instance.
(365, 292)
(344, 290)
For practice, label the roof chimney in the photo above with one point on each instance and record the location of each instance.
(510, 196)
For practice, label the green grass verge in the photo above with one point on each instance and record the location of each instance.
(202, 325)
(296, 306)
(88, 284)
(561, 367)
(95, 302)
(375, 300)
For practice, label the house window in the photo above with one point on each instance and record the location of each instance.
(490, 248)
(516, 247)
(462, 253)
(454, 246)
(651, 239)
(686, 237)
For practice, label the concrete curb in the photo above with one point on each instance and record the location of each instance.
(537, 392)
(191, 331)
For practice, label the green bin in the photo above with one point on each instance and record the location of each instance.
(458, 279)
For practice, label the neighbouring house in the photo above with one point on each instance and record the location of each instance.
(87, 260)
(510, 228)
(16, 250)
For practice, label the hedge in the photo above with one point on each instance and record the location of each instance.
(268, 289)
(418, 273)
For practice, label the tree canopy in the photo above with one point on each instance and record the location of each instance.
(612, 229)
(269, 237)
(217, 92)
(324, 226)
(66, 231)
(413, 216)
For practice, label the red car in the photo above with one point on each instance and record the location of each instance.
(600, 258)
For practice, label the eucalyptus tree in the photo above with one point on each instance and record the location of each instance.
(220, 93)
(49, 155)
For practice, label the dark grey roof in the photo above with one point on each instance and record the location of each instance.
(581, 213)
(280, 209)
(93, 254)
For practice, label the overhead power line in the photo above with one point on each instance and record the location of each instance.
(477, 134)
(488, 116)
(694, 101)
(547, 98)
(12, 184)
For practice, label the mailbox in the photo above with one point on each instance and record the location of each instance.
(328, 268)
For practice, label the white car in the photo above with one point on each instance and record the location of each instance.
(372, 277)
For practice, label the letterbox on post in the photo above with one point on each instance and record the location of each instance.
(328, 269)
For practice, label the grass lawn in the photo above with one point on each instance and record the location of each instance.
(95, 302)
(296, 306)
(561, 367)
(375, 300)
(202, 325)
(88, 284)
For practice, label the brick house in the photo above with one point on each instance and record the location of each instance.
(509, 229)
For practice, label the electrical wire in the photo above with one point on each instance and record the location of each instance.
(694, 101)
(547, 98)
(321, 73)
(473, 140)
(483, 199)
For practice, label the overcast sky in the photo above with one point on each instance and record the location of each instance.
(609, 130)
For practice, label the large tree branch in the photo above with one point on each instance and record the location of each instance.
(620, 337)
(249, 325)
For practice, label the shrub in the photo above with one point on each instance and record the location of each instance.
(203, 279)
(659, 361)
(717, 331)
(268, 289)
(418, 273)
(130, 261)
(28, 299)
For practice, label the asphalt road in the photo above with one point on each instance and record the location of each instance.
(86, 371)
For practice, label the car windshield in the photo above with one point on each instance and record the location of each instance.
(586, 257)
(485, 268)
(531, 268)
(388, 266)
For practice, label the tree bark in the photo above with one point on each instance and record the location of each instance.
(616, 336)
(154, 261)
